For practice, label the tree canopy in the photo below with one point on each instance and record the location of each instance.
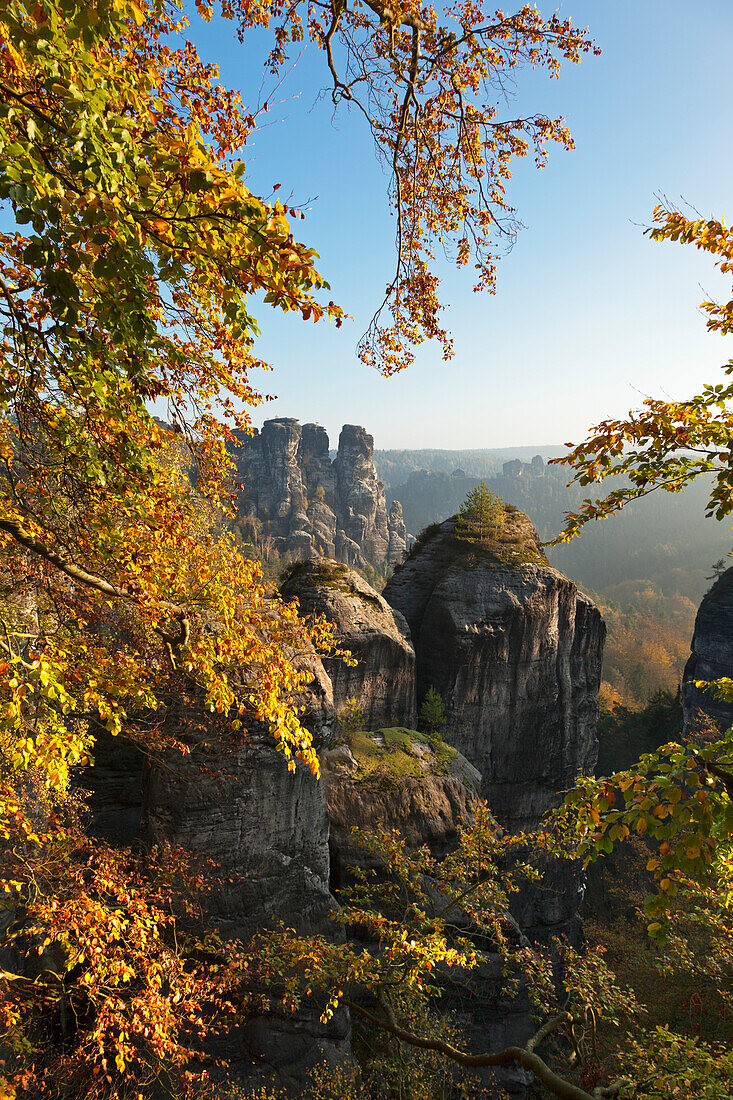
(122, 588)
(481, 516)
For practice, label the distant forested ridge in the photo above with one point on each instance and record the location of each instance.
(395, 467)
(663, 538)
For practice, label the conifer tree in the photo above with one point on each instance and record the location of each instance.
(432, 711)
(481, 516)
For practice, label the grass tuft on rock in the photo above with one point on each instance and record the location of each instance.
(512, 544)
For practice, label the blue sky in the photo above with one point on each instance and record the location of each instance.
(589, 315)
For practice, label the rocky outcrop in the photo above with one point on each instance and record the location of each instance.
(265, 827)
(295, 500)
(401, 779)
(515, 650)
(383, 679)
(711, 658)
(395, 779)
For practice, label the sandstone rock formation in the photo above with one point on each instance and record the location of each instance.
(267, 829)
(294, 499)
(397, 534)
(114, 787)
(383, 680)
(265, 826)
(395, 778)
(400, 779)
(515, 650)
(710, 659)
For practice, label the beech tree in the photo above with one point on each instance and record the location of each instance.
(431, 86)
(666, 444)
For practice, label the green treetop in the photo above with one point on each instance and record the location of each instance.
(432, 711)
(481, 516)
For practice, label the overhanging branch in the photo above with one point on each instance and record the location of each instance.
(524, 1056)
(98, 584)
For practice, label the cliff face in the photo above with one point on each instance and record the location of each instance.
(515, 650)
(383, 679)
(294, 499)
(711, 658)
(265, 826)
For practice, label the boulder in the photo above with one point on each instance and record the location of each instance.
(383, 679)
(397, 779)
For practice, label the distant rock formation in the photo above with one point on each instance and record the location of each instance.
(296, 500)
(515, 650)
(711, 658)
(383, 679)
(397, 534)
(516, 468)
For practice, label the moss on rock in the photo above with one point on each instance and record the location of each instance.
(324, 572)
(514, 543)
(396, 753)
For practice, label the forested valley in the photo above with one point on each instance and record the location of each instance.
(645, 568)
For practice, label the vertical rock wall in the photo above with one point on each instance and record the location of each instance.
(515, 651)
(383, 679)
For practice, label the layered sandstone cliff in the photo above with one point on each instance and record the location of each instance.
(295, 500)
(515, 650)
(382, 680)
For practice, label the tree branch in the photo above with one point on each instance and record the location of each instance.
(525, 1056)
(99, 584)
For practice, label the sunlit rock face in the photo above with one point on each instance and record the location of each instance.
(383, 679)
(515, 650)
(295, 500)
(711, 658)
(397, 534)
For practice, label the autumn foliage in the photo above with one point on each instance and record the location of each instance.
(430, 85)
(128, 280)
(667, 444)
